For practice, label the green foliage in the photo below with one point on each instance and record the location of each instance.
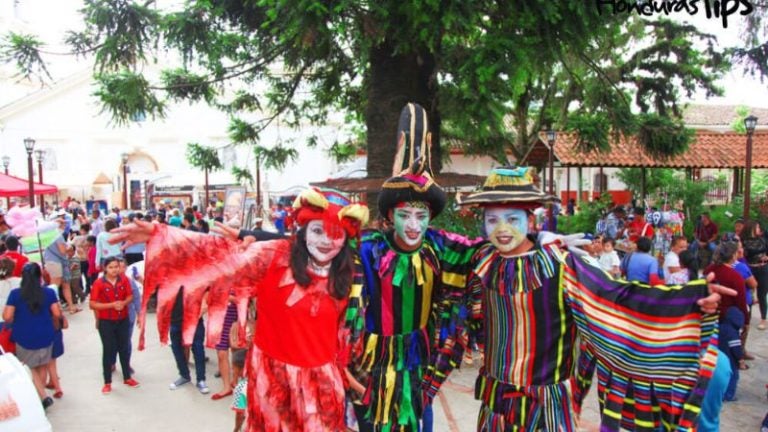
(737, 125)
(482, 68)
(276, 157)
(24, 51)
(342, 152)
(586, 219)
(243, 176)
(663, 137)
(181, 85)
(126, 94)
(203, 157)
(459, 220)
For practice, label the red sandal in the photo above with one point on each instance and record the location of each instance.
(218, 396)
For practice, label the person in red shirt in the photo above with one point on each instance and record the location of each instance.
(110, 296)
(12, 244)
(706, 233)
(639, 227)
(724, 259)
(296, 364)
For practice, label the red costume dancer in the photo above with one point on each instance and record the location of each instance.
(294, 380)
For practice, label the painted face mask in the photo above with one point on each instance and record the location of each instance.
(411, 221)
(506, 227)
(322, 247)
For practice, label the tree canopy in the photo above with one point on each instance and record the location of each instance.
(491, 74)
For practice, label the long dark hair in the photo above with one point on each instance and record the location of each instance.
(342, 266)
(31, 287)
(748, 232)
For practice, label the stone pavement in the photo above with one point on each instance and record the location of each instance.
(153, 407)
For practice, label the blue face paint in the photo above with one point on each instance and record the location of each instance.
(505, 227)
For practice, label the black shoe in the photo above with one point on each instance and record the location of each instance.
(47, 402)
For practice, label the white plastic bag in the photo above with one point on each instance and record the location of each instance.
(20, 406)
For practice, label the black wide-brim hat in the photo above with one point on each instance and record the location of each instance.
(509, 185)
(409, 188)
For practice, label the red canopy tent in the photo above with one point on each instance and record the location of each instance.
(11, 186)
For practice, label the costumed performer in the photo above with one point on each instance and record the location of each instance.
(413, 276)
(295, 382)
(653, 347)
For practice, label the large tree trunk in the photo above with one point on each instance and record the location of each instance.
(395, 80)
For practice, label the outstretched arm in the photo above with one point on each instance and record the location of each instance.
(200, 263)
(654, 347)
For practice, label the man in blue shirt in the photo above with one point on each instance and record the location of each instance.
(641, 266)
(279, 216)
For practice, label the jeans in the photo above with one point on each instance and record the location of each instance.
(131, 258)
(730, 391)
(709, 419)
(115, 341)
(761, 275)
(695, 246)
(198, 351)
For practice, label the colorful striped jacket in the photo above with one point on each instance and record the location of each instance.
(402, 311)
(549, 320)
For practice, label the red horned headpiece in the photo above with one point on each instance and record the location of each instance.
(339, 216)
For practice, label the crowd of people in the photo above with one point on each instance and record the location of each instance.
(341, 317)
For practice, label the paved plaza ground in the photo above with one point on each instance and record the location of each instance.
(153, 407)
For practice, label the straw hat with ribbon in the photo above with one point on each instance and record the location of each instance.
(509, 185)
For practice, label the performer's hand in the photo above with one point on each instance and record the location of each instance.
(225, 231)
(711, 303)
(133, 233)
(573, 242)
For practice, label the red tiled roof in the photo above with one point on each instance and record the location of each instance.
(707, 150)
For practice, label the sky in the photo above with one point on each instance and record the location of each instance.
(51, 18)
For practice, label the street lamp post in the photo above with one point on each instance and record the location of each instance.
(39, 155)
(6, 164)
(125, 180)
(750, 123)
(29, 145)
(551, 136)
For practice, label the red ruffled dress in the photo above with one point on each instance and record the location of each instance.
(295, 382)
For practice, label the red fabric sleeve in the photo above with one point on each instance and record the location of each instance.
(200, 263)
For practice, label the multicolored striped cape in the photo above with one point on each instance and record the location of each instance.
(404, 309)
(652, 348)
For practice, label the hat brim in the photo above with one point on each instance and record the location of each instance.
(434, 196)
(507, 197)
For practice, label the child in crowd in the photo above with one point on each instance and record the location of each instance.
(76, 280)
(239, 402)
(689, 269)
(93, 268)
(730, 344)
(609, 259)
(239, 353)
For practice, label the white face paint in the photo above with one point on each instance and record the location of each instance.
(321, 247)
(506, 227)
(410, 224)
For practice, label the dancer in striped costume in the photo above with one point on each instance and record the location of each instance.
(537, 306)
(413, 277)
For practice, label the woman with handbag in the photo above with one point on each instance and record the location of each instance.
(32, 309)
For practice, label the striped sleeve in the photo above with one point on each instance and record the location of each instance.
(462, 326)
(654, 350)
